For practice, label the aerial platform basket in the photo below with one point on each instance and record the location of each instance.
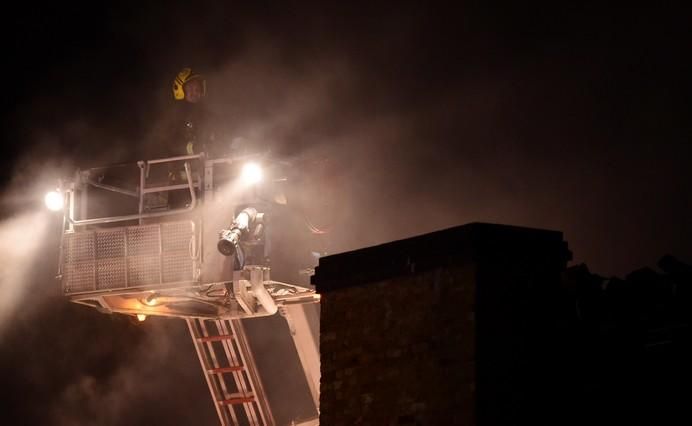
(161, 257)
(141, 239)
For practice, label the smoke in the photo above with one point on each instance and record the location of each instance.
(373, 168)
(151, 368)
(81, 367)
(22, 240)
(398, 122)
(492, 137)
(29, 233)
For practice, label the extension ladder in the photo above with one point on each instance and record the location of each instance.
(230, 371)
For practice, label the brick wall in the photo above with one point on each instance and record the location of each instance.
(399, 351)
(440, 329)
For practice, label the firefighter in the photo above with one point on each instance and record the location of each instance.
(189, 86)
(195, 132)
(192, 130)
(199, 128)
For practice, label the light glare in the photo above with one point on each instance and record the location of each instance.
(251, 173)
(141, 317)
(54, 201)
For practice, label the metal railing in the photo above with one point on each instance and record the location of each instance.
(140, 193)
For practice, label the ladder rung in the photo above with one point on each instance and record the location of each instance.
(215, 338)
(226, 369)
(243, 399)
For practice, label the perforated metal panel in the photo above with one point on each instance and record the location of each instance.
(110, 243)
(177, 267)
(178, 247)
(79, 277)
(143, 270)
(110, 273)
(79, 247)
(134, 256)
(143, 240)
(176, 236)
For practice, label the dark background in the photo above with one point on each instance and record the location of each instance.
(567, 118)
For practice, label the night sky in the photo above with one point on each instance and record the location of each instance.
(568, 118)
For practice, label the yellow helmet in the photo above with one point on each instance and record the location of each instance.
(184, 76)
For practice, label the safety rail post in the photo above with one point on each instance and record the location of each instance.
(142, 190)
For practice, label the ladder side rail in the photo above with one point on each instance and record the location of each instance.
(243, 386)
(217, 377)
(213, 389)
(255, 381)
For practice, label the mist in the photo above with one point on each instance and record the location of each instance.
(398, 121)
(426, 118)
(19, 251)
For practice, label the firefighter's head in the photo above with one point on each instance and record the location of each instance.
(189, 86)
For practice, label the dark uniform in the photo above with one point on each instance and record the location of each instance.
(197, 130)
(192, 131)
